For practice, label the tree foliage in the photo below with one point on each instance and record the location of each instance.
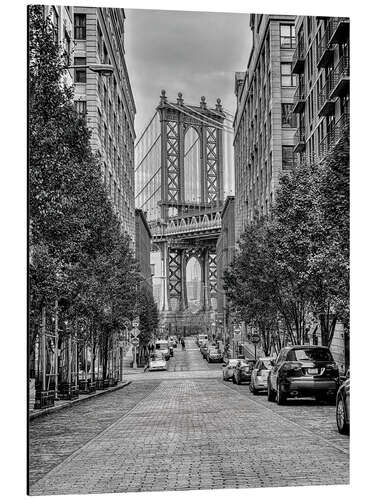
(79, 255)
(295, 264)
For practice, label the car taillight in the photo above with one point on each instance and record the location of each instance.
(332, 369)
(292, 368)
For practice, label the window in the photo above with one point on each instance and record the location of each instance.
(80, 26)
(80, 73)
(288, 118)
(99, 41)
(287, 36)
(287, 157)
(312, 354)
(105, 136)
(309, 25)
(260, 17)
(287, 77)
(80, 107)
(99, 116)
(67, 47)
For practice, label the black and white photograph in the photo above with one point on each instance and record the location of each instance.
(188, 263)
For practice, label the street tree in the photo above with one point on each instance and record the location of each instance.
(79, 256)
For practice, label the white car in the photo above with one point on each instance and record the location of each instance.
(259, 375)
(157, 362)
(228, 368)
(162, 347)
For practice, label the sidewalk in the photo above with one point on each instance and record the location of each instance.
(61, 404)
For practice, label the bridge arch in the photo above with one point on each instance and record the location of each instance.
(194, 277)
(192, 165)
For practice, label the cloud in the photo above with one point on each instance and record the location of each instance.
(196, 53)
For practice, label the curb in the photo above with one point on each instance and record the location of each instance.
(53, 409)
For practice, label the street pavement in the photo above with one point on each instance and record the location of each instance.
(185, 429)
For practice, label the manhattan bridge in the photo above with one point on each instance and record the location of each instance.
(180, 162)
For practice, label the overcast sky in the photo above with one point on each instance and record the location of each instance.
(196, 53)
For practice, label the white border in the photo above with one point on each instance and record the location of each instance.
(13, 249)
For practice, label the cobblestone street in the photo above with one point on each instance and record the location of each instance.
(185, 429)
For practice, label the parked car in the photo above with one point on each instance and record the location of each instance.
(259, 375)
(242, 371)
(202, 339)
(228, 368)
(214, 355)
(163, 347)
(157, 362)
(203, 349)
(343, 407)
(303, 370)
(173, 341)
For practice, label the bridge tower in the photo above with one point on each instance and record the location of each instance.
(190, 201)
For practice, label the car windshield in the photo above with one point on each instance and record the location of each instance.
(214, 349)
(316, 354)
(232, 362)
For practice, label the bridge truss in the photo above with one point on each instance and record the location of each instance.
(179, 183)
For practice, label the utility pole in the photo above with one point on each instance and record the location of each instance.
(43, 346)
(56, 346)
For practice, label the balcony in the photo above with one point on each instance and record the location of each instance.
(325, 51)
(339, 30)
(326, 104)
(299, 140)
(340, 78)
(298, 61)
(299, 99)
(333, 136)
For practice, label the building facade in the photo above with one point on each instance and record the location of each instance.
(264, 125)
(321, 103)
(321, 100)
(106, 102)
(143, 248)
(225, 250)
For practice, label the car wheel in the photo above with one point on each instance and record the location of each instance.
(270, 393)
(342, 424)
(280, 396)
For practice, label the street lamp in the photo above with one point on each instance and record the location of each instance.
(101, 69)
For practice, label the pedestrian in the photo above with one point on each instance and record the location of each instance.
(183, 344)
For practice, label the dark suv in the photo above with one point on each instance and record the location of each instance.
(303, 370)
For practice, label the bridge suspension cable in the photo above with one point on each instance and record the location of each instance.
(151, 195)
(179, 108)
(226, 111)
(148, 182)
(204, 116)
(145, 129)
(148, 152)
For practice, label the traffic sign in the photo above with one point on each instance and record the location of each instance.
(134, 332)
(135, 341)
(135, 322)
(255, 339)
